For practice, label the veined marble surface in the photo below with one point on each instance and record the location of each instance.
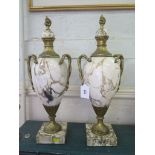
(106, 140)
(102, 75)
(56, 138)
(49, 79)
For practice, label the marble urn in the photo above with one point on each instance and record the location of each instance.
(49, 76)
(101, 73)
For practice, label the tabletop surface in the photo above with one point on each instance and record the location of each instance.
(76, 141)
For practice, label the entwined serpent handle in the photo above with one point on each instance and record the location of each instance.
(68, 70)
(34, 58)
(79, 65)
(121, 58)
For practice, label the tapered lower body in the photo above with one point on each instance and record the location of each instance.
(52, 126)
(100, 128)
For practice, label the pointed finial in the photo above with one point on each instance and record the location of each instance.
(101, 38)
(47, 22)
(102, 20)
(47, 33)
(101, 31)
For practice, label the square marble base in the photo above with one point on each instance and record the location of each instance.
(106, 140)
(57, 138)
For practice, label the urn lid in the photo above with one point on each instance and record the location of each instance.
(48, 39)
(101, 38)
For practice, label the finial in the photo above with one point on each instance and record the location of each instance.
(47, 33)
(48, 39)
(101, 31)
(47, 22)
(101, 38)
(102, 20)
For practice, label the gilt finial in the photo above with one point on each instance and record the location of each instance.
(101, 38)
(101, 31)
(47, 33)
(47, 22)
(102, 20)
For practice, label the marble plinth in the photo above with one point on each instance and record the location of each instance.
(107, 140)
(56, 138)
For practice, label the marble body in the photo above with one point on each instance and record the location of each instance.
(49, 79)
(102, 75)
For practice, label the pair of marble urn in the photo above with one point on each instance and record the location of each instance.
(49, 76)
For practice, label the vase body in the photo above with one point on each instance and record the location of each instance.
(102, 75)
(49, 76)
(49, 80)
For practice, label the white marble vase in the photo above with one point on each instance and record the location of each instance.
(102, 74)
(49, 76)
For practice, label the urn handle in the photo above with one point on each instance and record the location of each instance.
(68, 70)
(119, 57)
(79, 65)
(34, 58)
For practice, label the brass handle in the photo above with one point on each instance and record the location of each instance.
(79, 65)
(34, 58)
(121, 58)
(68, 70)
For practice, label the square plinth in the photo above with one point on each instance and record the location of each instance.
(56, 138)
(106, 140)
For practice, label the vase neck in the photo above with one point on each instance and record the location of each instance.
(48, 51)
